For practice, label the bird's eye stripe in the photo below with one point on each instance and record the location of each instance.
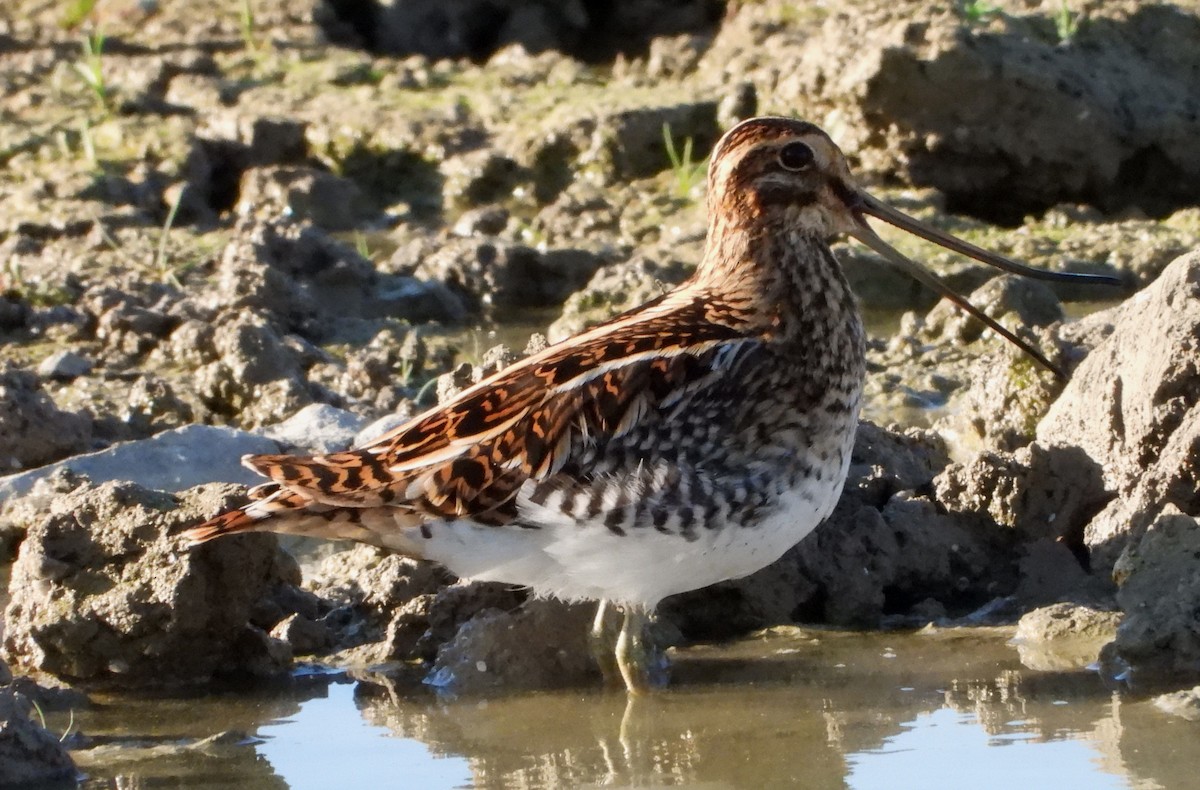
(796, 156)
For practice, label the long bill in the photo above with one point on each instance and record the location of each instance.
(864, 233)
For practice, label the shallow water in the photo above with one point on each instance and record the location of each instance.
(795, 708)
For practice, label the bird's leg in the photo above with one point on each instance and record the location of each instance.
(602, 646)
(597, 632)
(632, 657)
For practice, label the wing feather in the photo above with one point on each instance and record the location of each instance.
(471, 456)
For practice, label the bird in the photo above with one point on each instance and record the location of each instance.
(688, 441)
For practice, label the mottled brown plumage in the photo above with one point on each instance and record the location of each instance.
(690, 440)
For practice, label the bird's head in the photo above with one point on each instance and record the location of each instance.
(772, 175)
(780, 169)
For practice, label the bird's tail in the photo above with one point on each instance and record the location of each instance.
(269, 500)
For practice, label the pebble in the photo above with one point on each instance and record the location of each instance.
(64, 365)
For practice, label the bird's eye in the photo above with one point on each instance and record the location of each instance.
(795, 156)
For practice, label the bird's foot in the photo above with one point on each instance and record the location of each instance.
(642, 668)
(602, 644)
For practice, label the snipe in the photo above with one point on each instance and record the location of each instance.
(691, 440)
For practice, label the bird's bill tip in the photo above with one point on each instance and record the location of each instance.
(872, 206)
(864, 233)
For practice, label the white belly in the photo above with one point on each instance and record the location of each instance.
(573, 561)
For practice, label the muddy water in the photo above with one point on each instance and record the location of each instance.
(794, 708)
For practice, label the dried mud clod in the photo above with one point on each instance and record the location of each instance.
(103, 591)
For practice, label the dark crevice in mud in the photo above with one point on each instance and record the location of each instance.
(813, 609)
(223, 162)
(392, 175)
(1148, 181)
(1146, 184)
(1074, 537)
(593, 31)
(903, 599)
(898, 601)
(726, 603)
(999, 208)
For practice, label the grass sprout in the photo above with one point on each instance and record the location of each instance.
(977, 12)
(160, 255)
(246, 24)
(687, 173)
(91, 67)
(1066, 23)
(76, 13)
(362, 245)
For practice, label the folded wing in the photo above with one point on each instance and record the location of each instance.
(470, 457)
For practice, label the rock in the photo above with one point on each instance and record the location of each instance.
(245, 282)
(126, 328)
(257, 376)
(583, 213)
(33, 430)
(506, 277)
(302, 635)
(306, 194)
(171, 461)
(480, 177)
(614, 289)
(418, 301)
(315, 429)
(275, 140)
(19, 512)
(292, 274)
(1010, 299)
(484, 221)
(1005, 396)
(886, 462)
(870, 562)
(385, 371)
(29, 754)
(457, 603)
(874, 74)
(1159, 578)
(614, 147)
(102, 589)
(371, 577)
(1184, 704)
(1133, 406)
(416, 626)
(1006, 392)
(494, 360)
(154, 406)
(378, 428)
(542, 644)
(365, 590)
(1050, 573)
(64, 365)
(630, 144)
(229, 145)
(1064, 636)
(878, 284)
(1041, 492)
(48, 695)
(1067, 621)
